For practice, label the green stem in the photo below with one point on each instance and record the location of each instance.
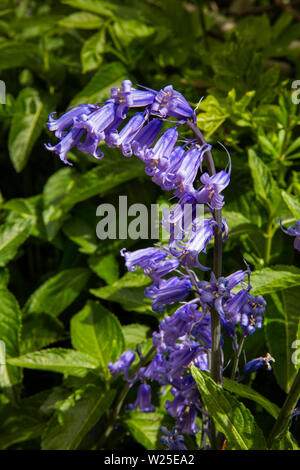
(237, 357)
(268, 243)
(286, 411)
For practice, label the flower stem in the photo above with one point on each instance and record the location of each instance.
(216, 350)
(286, 411)
(237, 356)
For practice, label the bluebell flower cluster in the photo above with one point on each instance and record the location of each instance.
(183, 338)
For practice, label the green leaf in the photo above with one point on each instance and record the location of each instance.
(81, 20)
(64, 361)
(262, 177)
(39, 331)
(134, 334)
(293, 203)
(281, 326)
(247, 392)
(97, 332)
(108, 76)
(212, 115)
(145, 428)
(128, 291)
(231, 417)
(13, 234)
(281, 317)
(76, 416)
(269, 280)
(66, 188)
(10, 333)
(106, 267)
(58, 292)
(92, 50)
(81, 233)
(95, 6)
(26, 126)
(19, 424)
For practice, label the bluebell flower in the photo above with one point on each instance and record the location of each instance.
(65, 121)
(165, 175)
(231, 314)
(172, 440)
(162, 149)
(199, 236)
(187, 171)
(186, 422)
(143, 400)
(127, 96)
(157, 369)
(142, 258)
(294, 232)
(64, 146)
(213, 186)
(97, 122)
(252, 314)
(146, 137)
(258, 363)
(169, 102)
(122, 364)
(125, 137)
(168, 291)
(156, 270)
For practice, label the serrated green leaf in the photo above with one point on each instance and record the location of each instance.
(97, 332)
(145, 428)
(26, 126)
(58, 292)
(293, 203)
(128, 291)
(10, 334)
(13, 233)
(75, 418)
(231, 417)
(135, 334)
(280, 326)
(247, 392)
(92, 50)
(262, 177)
(106, 267)
(64, 361)
(39, 331)
(269, 280)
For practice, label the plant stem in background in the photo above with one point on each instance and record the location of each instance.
(236, 357)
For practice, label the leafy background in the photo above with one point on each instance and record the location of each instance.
(67, 305)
